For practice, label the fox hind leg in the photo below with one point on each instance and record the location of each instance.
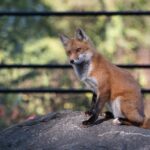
(132, 114)
(121, 121)
(108, 115)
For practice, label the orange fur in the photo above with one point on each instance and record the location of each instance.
(111, 81)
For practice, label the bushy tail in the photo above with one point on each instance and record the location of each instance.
(146, 123)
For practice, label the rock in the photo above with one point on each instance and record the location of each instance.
(63, 131)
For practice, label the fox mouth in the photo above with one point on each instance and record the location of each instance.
(86, 57)
(74, 62)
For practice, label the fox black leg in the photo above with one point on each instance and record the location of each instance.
(125, 121)
(91, 120)
(97, 109)
(91, 111)
(108, 115)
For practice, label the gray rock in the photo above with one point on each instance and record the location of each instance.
(63, 131)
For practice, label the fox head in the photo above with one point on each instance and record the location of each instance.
(79, 48)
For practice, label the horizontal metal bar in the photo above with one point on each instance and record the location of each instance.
(135, 66)
(35, 66)
(64, 66)
(62, 91)
(41, 90)
(75, 13)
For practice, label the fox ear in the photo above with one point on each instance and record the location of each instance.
(64, 39)
(80, 35)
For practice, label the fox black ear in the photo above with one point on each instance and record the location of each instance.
(80, 35)
(64, 39)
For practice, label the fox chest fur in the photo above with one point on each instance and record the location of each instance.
(83, 73)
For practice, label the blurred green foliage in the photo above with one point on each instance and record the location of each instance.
(25, 40)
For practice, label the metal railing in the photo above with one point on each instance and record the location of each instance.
(55, 66)
(58, 66)
(65, 66)
(76, 13)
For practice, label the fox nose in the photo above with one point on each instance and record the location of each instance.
(71, 61)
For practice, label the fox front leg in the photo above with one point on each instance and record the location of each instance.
(98, 108)
(90, 112)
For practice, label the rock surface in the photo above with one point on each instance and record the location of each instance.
(63, 131)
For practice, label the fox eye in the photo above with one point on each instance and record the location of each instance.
(78, 50)
(69, 52)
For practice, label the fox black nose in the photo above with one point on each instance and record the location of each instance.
(71, 61)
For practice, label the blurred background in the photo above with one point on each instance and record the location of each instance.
(35, 40)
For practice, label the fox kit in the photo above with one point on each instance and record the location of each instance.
(109, 83)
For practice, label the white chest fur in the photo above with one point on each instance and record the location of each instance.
(82, 71)
(115, 107)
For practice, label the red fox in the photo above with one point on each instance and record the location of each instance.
(109, 83)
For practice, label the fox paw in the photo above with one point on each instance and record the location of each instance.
(89, 113)
(116, 121)
(91, 120)
(86, 123)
